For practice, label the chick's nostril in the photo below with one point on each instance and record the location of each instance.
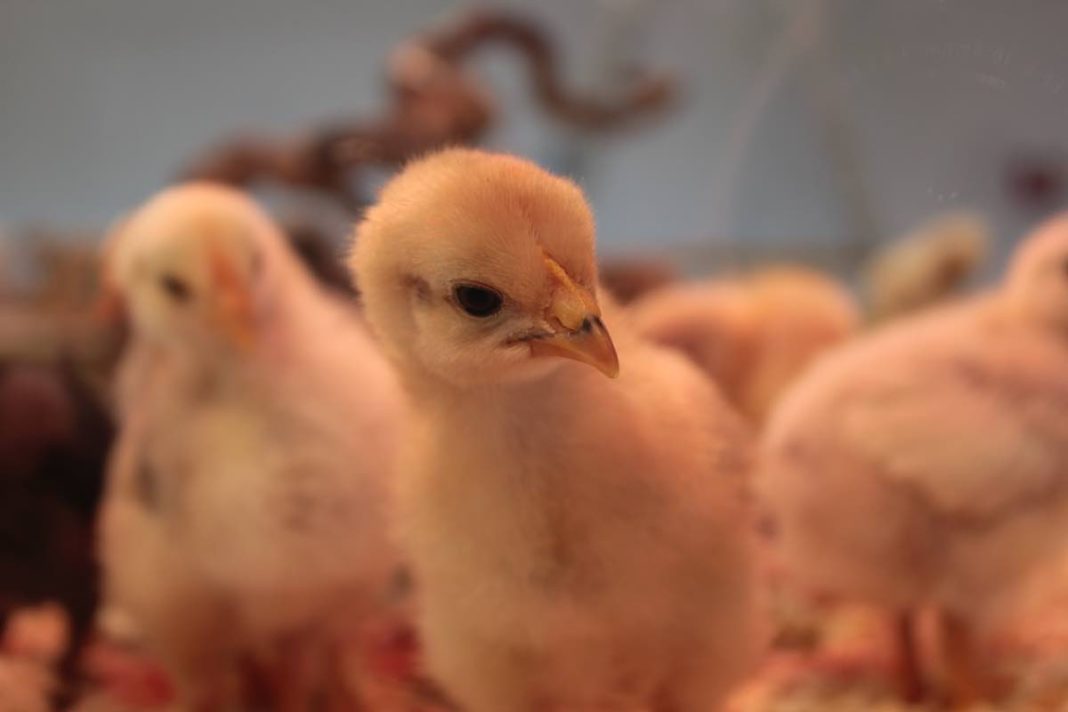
(591, 324)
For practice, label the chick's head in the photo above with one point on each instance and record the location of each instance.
(1037, 282)
(189, 267)
(478, 268)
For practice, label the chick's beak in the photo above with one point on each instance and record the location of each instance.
(232, 308)
(589, 344)
(579, 333)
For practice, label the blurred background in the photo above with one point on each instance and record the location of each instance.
(815, 123)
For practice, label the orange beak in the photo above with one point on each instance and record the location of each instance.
(580, 334)
(232, 309)
(589, 344)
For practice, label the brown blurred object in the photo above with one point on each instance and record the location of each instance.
(55, 363)
(932, 263)
(433, 103)
(68, 263)
(627, 279)
(752, 334)
(54, 439)
(1036, 180)
(50, 321)
(320, 255)
(6, 288)
(48, 317)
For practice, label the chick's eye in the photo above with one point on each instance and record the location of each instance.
(175, 287)
(478, 301)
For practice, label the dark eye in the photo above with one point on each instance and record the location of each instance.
(476, 300)
(175, 287)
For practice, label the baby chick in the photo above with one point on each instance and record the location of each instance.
(578, 539)
(928, 265)
(151, 580)
(927, 463)
(259, 429)
(753, 334)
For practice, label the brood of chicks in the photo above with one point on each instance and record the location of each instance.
(573, 499)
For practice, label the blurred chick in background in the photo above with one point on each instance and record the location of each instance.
(753, 335)
(154, 591)
(247, 503)
(579, 540)
(927, 463)
(930, 264)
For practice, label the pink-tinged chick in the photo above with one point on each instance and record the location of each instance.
(927, 463)
(251, 480)
(753, 335)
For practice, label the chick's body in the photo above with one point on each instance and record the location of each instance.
(284, 465)
(927, 464)
(256, 462)
(583, 551)
(152, 582)
(752, 335)
(578, 542)
(949, 427)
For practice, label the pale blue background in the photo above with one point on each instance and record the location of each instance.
(101, 99)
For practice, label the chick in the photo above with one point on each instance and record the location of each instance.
(928, 265)
(153, 588)
(927, 463)
(753, 334)
(259, 430)
(579, 540)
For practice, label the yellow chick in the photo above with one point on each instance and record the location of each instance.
(574, 520)
(930, 264)
(259, 431)
(753, 334)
